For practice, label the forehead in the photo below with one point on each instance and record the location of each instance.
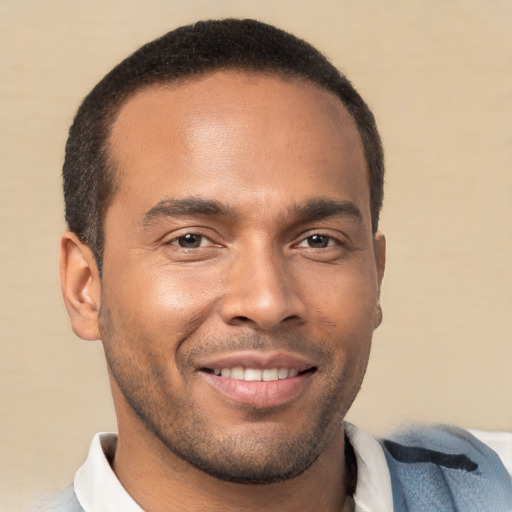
(238, 133)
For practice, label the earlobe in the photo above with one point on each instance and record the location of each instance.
(379, 249)
(377, 317)
(81, 286)
(379, 245)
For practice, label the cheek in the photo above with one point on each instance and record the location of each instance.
(182, 299)
(346, 296)
(162, 303)
(342, 312)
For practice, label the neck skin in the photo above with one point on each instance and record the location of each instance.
(160, 481)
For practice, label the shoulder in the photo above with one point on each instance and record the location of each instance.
(445, 468)
(63, 501)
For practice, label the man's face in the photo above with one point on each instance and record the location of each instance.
(240, 285)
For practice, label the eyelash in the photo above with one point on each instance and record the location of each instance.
(331, 240)
(175, 241)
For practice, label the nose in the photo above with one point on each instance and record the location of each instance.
(262, 292)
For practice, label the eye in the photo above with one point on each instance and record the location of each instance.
(318, 241)
(191, 241)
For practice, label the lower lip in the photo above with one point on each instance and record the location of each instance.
(259, 393)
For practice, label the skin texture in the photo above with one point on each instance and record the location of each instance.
(241, 228)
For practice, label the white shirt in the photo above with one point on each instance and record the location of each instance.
(98, 489)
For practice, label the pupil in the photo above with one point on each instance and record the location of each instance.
(318, 241)
(190, 241)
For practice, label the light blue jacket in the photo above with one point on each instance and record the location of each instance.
(445, 469)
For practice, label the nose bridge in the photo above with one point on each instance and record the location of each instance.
(261, 289)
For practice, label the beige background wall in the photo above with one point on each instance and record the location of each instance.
(439, 78)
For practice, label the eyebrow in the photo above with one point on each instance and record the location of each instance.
(321, 208)
(186, 207)
(313, 209)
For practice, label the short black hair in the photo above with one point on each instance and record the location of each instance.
(89, 178)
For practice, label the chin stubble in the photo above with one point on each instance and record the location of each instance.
(250, 456)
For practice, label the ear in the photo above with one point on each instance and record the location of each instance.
(379, 248)
(81, 286)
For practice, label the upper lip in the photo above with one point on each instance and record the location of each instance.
(255, 359)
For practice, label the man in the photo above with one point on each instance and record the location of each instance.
(223, 187)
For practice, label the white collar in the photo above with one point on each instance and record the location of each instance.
(96, 485)
(98, 489)
(373, 490)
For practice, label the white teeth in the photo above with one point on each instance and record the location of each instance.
(255, 374)
(268, 375)
(282, 373)
(237, 373)
(252, 374)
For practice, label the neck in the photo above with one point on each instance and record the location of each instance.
(158, 481)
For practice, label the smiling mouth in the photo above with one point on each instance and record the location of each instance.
(259, 387)
(259, 379)
(257, 374)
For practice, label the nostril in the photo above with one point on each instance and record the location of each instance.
(241, 319)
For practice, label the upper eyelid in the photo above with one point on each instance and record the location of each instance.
(208, 242)
(337, 236)
(216, 238)
(173, 240)
(172, 243)
(336, 241)
(196, 230)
